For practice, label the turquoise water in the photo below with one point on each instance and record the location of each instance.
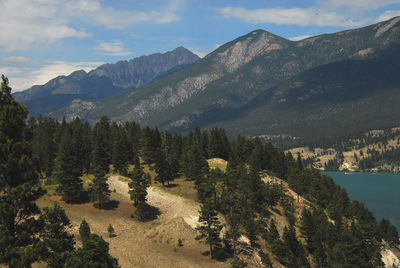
(380, 192)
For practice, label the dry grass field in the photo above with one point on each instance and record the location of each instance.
(144, 244)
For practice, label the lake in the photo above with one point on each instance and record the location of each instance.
(380, 192)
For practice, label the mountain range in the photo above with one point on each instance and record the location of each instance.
(104, 81)
(265, 85)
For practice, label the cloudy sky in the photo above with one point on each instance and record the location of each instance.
(41, 39)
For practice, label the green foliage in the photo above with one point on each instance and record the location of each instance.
(110, 230)
(389, 232)
(99, 190)
(67, 171)
(44, 147)
(94, 253)
(84, 231)
(210, 226)
(58, 242)
(120, 149)
(101, 151)
(197, 166)
(238, 263)
(19, 187)
(138, 185)
(294, 252)
(265, 259)
(180, 242)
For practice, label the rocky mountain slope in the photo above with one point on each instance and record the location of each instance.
(244, 73)
(104, 81)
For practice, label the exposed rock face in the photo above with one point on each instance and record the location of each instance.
(78, 107)
(224, 60)
(144, 69)
(110, 79)
(240, 70)
(249, 83)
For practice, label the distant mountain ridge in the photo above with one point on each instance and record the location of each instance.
(104, 81)
(221, 88)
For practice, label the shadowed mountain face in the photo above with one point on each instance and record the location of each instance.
(262, 84)
(230, 86)
(104, 81)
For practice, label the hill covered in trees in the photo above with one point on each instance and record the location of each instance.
(265, 208)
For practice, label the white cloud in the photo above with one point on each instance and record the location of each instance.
(290, 16)
(359, 5)
(23, 72)
(113, 48)
(27, 23)
(298, 38)
(388, 14)
(342, 13)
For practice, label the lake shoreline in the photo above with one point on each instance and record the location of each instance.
(378, 191)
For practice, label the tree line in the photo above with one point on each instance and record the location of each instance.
(29, 234)
(336, 231)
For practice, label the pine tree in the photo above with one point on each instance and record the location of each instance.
(58, 242)
(66, 171)
(94, 253)
(84, 231)
(110, 231)
(99, 190)
(44, 147)
(197, 165)
(210, 227)
(140, 181)
(120, 150)
(80, 144)
(19, 187)
(101, 149)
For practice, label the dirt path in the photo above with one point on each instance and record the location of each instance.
(171, 206)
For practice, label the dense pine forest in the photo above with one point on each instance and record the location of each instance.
(35, 153)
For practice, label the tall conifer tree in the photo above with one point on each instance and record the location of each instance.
(19, 188)
(66, 171)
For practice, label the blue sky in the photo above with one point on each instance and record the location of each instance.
(41, 39)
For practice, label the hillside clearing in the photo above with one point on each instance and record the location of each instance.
(143, 244)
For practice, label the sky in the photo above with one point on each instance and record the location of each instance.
(42, 39)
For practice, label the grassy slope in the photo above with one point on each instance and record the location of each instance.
(153, 244)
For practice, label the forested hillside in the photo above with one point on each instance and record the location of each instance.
(264, 205)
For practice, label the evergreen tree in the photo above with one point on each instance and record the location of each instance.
(140, 181)
(197, 165)
(94, 253)
(84, 231)
(110, 231)
(120, 150)
(19, 187)
(100, 191)
(163, 170)
(80, 144)
(389, 232)
(210, 227)
(295, 255)
(151, 142)
(44, 148)
(58, 242)
(218, 144)
(66, 172)
(133, 133)
(101, 151)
